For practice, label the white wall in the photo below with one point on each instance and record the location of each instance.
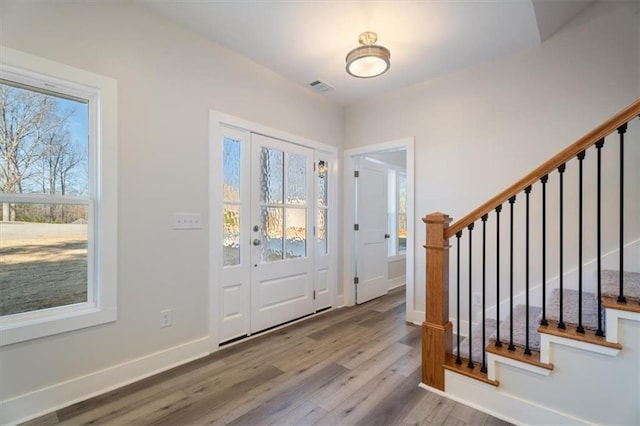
(526, 107)
(479, 130)
(168, 81)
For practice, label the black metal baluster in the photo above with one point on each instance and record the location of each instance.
(458, 359)
(561, 170)
(483, 369)
(498, 210)
(580, 328)
(599, 146)
(544, 181)
(527, 350)
(470, 228)
(511, 347)
(622, 130)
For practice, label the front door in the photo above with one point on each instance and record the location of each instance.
(282, 249)
(372, 233)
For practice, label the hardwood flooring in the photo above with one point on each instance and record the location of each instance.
(351, 366)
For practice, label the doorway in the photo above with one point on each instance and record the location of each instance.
(378, 222)
(271, 232)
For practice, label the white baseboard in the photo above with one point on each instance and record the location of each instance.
(397, 282)
(415, 317)
(43, 401)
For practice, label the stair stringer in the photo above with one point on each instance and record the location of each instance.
(590, 384)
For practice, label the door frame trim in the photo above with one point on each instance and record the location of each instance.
(413, 315)
(216, 121)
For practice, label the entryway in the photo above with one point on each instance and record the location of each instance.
(276, 215)
(378, 222)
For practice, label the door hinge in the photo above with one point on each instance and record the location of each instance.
(314, 166)
(314, 295)
(314, 231)
(356, 173)
(356, 280)
(356, 227)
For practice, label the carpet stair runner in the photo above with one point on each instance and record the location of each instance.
(610, 286)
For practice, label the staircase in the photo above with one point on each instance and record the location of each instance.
(544, 347)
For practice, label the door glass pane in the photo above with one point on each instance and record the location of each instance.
(231, 170)
(271, 175)
(322, 231)
(231, 235)
(296, 179)
(296, 243)
(322, 183)
(271, 229)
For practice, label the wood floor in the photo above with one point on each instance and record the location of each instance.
(358, 365)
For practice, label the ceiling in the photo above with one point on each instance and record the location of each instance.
(308, 40)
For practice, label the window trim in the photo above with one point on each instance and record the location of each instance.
(101, 93)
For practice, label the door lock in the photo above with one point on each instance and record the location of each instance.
(256, 228)
(256, 242)
(387, 236)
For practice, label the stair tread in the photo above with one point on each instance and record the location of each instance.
(570, 308)
(611, 283)
(450, 364)
(476, 340)
(570, 332)
(518, 354)
(632, 305)
(519, 337)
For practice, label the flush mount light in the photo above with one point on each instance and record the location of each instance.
(368, 60)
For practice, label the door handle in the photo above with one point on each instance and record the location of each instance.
(387, 236)
(256, 242)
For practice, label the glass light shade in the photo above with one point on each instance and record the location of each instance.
(368, 61)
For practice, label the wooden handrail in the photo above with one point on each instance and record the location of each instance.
(547, 167)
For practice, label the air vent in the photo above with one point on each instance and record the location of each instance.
(320, 86)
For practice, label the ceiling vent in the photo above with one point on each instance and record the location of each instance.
(320, 86)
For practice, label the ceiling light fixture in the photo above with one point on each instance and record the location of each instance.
(368, 60)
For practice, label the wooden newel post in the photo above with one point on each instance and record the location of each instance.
(436, 329)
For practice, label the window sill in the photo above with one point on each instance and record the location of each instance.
(27, 326)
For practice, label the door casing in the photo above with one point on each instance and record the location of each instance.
(413, 291)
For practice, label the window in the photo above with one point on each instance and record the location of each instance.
(56, 228)
(402, 213)
(397, 212)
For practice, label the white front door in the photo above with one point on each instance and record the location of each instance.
(372, 234)
(282, 248)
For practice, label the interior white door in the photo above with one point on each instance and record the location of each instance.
(371, 237)
(282, 246)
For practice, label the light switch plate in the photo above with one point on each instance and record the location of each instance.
(187, 221)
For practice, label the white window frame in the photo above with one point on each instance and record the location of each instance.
(101, 92)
